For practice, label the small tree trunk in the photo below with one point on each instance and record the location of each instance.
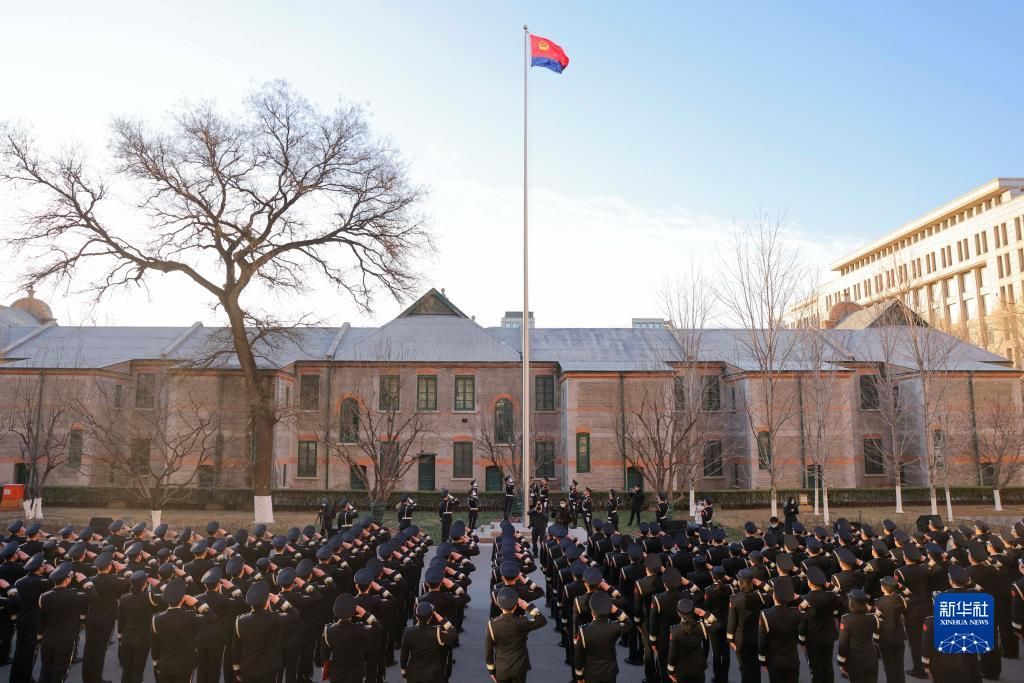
(997, 499)
(775, 502)
(37, 508)
(156, 515)
(693, 501)
(824, 502)
(933, 494)
(899, 498)
(815, 497)
(263, 466)
(26, 505)
(949, 505)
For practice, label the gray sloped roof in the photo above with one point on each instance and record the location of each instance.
(895, 345)
(427, 338)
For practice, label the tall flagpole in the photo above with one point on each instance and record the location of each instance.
(525, 482)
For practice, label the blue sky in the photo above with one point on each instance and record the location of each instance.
(673, 121)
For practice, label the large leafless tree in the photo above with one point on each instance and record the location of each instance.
(762, 274)
(998, 430)
(280, 196)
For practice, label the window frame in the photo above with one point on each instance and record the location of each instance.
(357, 483)
(459, 454)
(300, 466)
(150, 391)
(309, 398)
(391, 392)
(869, 393)
(544, 397)
(460, 397)
(423, 402)
(76, 447)
(504, 426)
(877, 460)
(549, 464)
(764, 445)
(707, 382)
(342, 431)
(720, 460)
(583, 455)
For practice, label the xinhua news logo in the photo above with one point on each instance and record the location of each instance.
(964, 623)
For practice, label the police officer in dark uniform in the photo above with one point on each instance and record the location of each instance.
(346, 643)
(818, 633)
(858, 634)
(914, 579)
(445, 512)
(405, 509)
(346, 516)
(574, 503)
(99, 623)
(510, 495)
(61, 613)
(687, 646)
(587, 510)
(613, 508)
(256, 641)
(891, 636)
(741, 631)
(949, 668)
(505, 650)
(661, 510)
(595, 659)
(716, 602)
(777, 636)
(174, 634)
(425, 645)
(25, 593)
(473, 504)
(135, 612)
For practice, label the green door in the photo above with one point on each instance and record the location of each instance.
(493, 479)
(426, 472)
(634, 477)
(20, 473)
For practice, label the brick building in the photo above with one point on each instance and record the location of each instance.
(589, 385)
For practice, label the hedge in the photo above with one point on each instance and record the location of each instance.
(298, 499)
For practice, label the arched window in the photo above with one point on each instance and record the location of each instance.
(349, 428)
(504, 431)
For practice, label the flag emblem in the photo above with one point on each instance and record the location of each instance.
(547, 54)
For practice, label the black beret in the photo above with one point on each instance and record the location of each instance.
(259, 530)
(959, 575)
(234, 565)
(593, 576)
(279, 542)
(577, 569)
(258, 594)
(880, 547)
(982, 526)
(783, 589)
(62, 572)
(653, 562)
(672, 578)
(212, 577)
(509, 570)
(199, 547)
(717, 533)
(816, 576)
(912, 553)
(655, 528)
(103, 560)
(363, 577)
(718, 570)
(813, 544)
(323, 552)
(858, 596)
(293, 534)
(846, 557)
(34, 562)
(160, 530)
(635, 551)
(9, 549)
(888, 581)
(750, 527)
(33, 529)
(684, 606)
(458, 529)
(15, 526)
(745, 574)
(608, 528)
(424, 609)
(978, 551)
(139, 528)
(798, 527)
(174, 592)
(285, 577)
(304, 568)
(66, 530)
(134, 549)
(166, 570)
(115, 526)
(344, 606)
(139, 577)
(601, 604)
(784, 562)
(507, 598)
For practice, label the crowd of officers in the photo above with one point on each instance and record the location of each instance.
(847, 594)
(242, 606)
(252, 606)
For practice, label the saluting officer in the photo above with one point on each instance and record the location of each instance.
(134, 627)
(686, 646)
(741, 630)
(174, 634)
(505, 652)
(510, 495)
(346, 643)
(26, 592)
(61, 612)
(99, 623)
(777, 636)
(473, 504)
(891, 637)
(425, 646)
(445, 511)
(661, 510)
(405, 510)
(257, 638)
(949, 668)
(858, 634)
(595, 659)
(818, 633)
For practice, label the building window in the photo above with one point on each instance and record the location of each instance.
(732, 398)
(426, 478)
(207, 476)
(711, 398)
(426, 392)
(348, 429)
(713, 459)
(462, 460)
(388, 464)
(544, 388)
(939, 447)
(493, 479)
(679, 393)
(118, 397)
(140, 455)
(357, 477)
(75, 443)
(504, 426)
(390, 393)
(583, 452)
(987, 474)
(309, 392)
(544, 459)
(873, 463)
(465, 393)
(869, 399)
(307, 459)
(145, 391)
(764, 451)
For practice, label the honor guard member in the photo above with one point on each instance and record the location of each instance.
(636, 504)
(346, 643)
(595, 659)
(664, 616)
(587, 509)
(405, 510)
(545, 496)
(741, 631)
(716, 602)
(11, 569)
(225, 600)
(777, 636)
(661, 510)
(707, 511)
(346, 516)
(858, 635)
(174, 634)
(99, 624)
(990, 580)
(26, 592)
(613, 508)
(913, 578)
(445, 511)
(891, 637)
(135, 612)
(1017, 606)
(425, 647)
(61, 613)
(538, 525)
(820, 608)
(574, 503)
(473, 504)
(257, 637)
(510, 496)
(644, 591)
(686, 646)
(949, 668)
(505, 650)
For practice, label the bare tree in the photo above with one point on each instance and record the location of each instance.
(500, 437)
(387, 434)
(279, 197)
(762, 276)
(649, 432)
(895, 411)
(999, 435)
(688, 304)
(39, 412)
(821, 390)
(158, 454)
